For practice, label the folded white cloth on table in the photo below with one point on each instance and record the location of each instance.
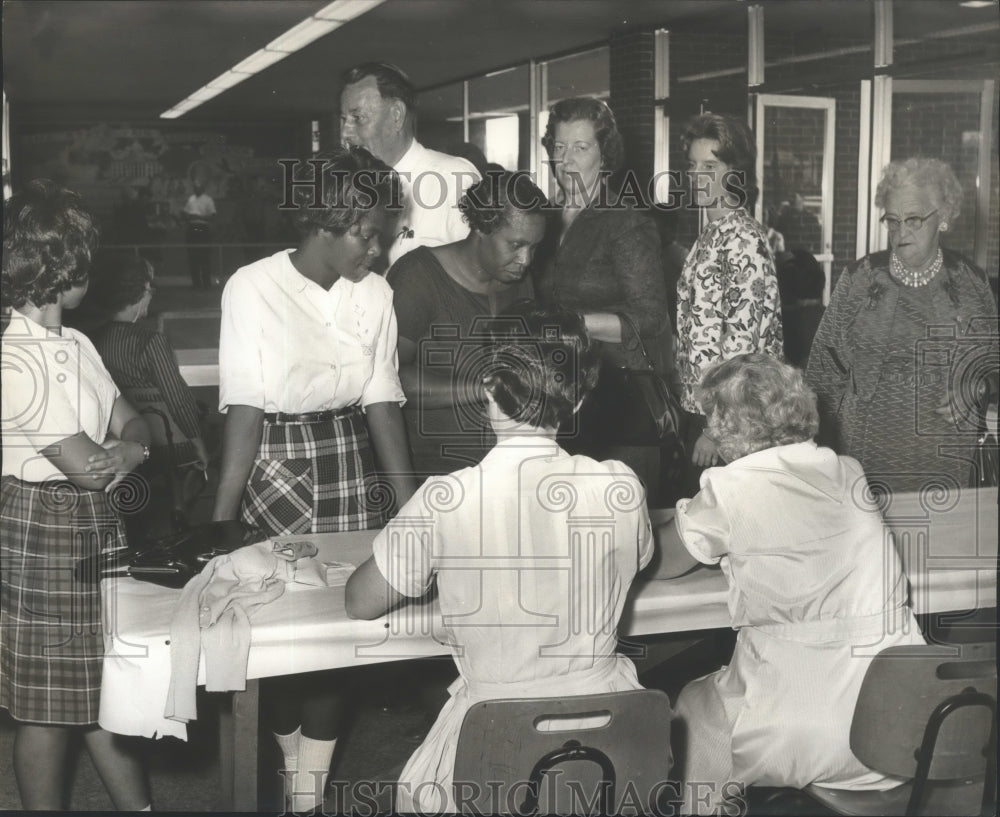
(213, 617)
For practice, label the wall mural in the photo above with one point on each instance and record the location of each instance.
(138, 178)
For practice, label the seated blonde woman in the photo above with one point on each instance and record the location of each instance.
(816, 590)
(511, 627)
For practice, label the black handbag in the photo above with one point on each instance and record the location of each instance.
(173, 560)
(633, 406)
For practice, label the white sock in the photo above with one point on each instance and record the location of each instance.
(289, 745)
(148, 808)
(309, 780)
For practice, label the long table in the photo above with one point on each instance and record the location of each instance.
(198, 367)
(948, 546)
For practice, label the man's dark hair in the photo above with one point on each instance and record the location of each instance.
(392, 82)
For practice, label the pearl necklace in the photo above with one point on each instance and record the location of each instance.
(909, 278)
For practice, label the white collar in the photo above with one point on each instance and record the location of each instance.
(22, 326)
(412, 159)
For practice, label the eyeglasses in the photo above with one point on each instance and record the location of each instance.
(913, 222)
(577, 148)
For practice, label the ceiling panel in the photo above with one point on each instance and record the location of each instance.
(147, 55)
(144, 56)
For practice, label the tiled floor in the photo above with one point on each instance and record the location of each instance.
(184, 775)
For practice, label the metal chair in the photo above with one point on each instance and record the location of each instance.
(928, 714)
(601, 754)
(170, 448)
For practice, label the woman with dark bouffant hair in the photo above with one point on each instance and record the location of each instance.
(442, 296)
(515, 506)
(69, 439)
(816, 590)
(309, 387)
(727, 295)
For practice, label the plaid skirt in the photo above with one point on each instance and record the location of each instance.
(51, 641)
(315, 478)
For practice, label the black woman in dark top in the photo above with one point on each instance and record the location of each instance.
(444, 298)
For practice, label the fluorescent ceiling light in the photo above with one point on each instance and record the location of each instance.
(258, 61)
(301, 35)
(978, 4)
(226, 80)
(324, 21)
(345, 10)
(205, 94)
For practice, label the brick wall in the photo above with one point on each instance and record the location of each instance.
(632, 56)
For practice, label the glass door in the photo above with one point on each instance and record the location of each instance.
(795, 152)
(951, 120)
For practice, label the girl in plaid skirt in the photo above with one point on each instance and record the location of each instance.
(68, 439)
(311, 393)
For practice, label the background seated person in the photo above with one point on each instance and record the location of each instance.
(143, 366)
(816, 590)
(507, 509)
(441, 295)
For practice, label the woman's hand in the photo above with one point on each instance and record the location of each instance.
(705, 451)
(201, 453)
(119, 458)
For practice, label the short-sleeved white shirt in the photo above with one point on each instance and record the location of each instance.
(287, 344)
(200, 205)
(534, 551)
(797, 535)
(433, 184)
(54, 387)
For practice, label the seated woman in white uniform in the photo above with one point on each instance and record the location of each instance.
(816, 590)
(530, 499)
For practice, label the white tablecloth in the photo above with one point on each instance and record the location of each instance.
(948, 547)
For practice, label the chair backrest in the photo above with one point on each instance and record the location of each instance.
(164, 431)
(560, 755)
(902, 689)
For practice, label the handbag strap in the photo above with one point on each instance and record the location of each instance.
(626, 320)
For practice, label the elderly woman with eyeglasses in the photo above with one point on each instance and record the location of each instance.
(902, 357)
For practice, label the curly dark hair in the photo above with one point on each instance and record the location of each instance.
(596, 111)
(491, 201)
(753, 402)
(541, 370)
(118, 280)
(354, 183)
(736, 148)
(49, 237)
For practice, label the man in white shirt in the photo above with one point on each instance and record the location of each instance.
(199, 211)
(378, 113)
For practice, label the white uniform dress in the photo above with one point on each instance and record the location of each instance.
(579, 532)
(816, 590)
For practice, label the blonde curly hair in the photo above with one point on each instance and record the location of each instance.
(755, 402)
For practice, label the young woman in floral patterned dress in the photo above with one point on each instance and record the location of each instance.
(727, 295)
